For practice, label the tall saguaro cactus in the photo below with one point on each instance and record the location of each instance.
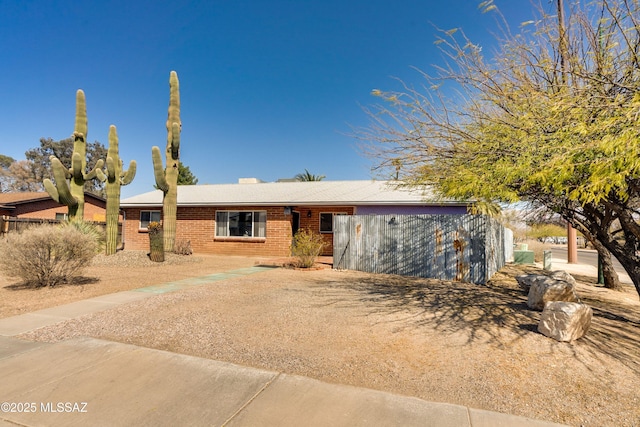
(116, 177)
(167, 179)
(69, 182)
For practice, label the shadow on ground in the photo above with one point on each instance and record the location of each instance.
(449, 307)
(77, 281)
(496, 311)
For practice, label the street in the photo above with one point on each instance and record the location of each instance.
(585, 256)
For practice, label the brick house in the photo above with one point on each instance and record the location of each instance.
(41, 206)
(259, 218)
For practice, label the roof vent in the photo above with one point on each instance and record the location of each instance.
(249, 181)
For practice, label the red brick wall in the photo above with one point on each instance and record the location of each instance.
(313, 223)
(197, 224)
(47, 209)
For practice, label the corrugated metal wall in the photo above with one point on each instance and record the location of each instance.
(468, 248)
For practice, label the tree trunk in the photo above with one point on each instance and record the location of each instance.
(611, 280)
(606, 246)
(631, 263)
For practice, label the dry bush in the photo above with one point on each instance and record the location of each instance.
(46, 255)
(182, 247)
(306, 247)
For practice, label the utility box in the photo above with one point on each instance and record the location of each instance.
(546, 260)
(523, 257)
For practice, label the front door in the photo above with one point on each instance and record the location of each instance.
(295, 223)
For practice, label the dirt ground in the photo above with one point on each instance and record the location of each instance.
(440, 341)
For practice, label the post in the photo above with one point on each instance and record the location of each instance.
(572, 245)
(600, 271)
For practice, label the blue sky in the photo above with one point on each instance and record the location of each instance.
(268, 88)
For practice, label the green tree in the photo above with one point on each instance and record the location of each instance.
(308, 176)
(185, 176)
(40, 163)
(545, 231)
(551, 118)
(5, 162)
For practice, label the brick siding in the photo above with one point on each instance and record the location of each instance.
(94, 210)
(197, 224)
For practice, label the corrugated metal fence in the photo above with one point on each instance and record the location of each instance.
(468, 248)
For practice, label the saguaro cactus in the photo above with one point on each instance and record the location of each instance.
(156, 242)
(71, 193)
(167, 179)
(115, 178)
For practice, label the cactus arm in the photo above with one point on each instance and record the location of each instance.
(100, 176)
(51, 189)
(175, 140)
(60, 191)
(96, 172)
(173, 118)
(113, 155)
(76, 166)
(111, 169)
(81, 123)
(158, 171)
(128, 176)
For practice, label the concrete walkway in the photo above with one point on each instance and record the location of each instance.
(94, 382)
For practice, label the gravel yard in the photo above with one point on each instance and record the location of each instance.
(440, 341)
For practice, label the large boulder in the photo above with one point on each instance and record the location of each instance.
(549, 289)
(563, 275)
(526, 280)
(565, 321)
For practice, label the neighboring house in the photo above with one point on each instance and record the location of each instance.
(41, 206)
(259, 219)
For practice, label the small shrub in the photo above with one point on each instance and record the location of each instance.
(306, 247)
(46, 255)
(94, 231)
(182, 247)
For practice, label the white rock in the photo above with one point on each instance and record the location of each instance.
(565, 321)
(550, 289)
(563, 275)
(526, 280)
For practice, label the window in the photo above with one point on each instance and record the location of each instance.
(148, 216)
(241, 223)
(62, 216)
(326, 221)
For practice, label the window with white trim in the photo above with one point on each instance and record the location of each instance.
(241, 224)
(149, 216)
(62, 216)
(326, 221)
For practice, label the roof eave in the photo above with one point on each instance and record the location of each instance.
(305, 203)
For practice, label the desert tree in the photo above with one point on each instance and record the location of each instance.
(551, 118)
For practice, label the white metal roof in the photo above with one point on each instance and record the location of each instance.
(335, 193)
